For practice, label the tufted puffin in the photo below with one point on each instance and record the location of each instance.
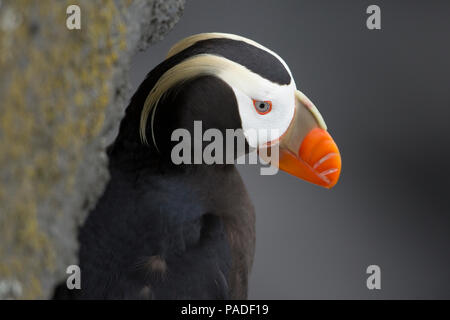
(187, 231)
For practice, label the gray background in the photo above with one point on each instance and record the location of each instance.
(385, 96)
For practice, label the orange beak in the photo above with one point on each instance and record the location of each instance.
(318, 160)
(307, 150)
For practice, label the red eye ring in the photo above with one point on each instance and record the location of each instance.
(257, 103)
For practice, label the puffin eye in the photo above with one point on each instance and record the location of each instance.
(262, 107)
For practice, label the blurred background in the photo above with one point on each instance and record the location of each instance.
(385, 96)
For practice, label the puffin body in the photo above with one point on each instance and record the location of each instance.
(163, 231)
(187, 231)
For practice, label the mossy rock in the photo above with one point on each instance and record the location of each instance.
(62, 96)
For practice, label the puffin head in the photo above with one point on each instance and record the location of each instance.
(228, 81)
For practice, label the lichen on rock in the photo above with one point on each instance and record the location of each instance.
(62, 95)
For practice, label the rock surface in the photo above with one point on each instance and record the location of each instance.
(62, 95)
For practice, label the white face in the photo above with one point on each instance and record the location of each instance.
(265, 108)
(250, 90)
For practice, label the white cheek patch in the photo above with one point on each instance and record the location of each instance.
(247, 86)
(260, 129)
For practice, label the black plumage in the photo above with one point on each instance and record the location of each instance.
(165, 231)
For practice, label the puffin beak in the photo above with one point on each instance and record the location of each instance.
(307, 150)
